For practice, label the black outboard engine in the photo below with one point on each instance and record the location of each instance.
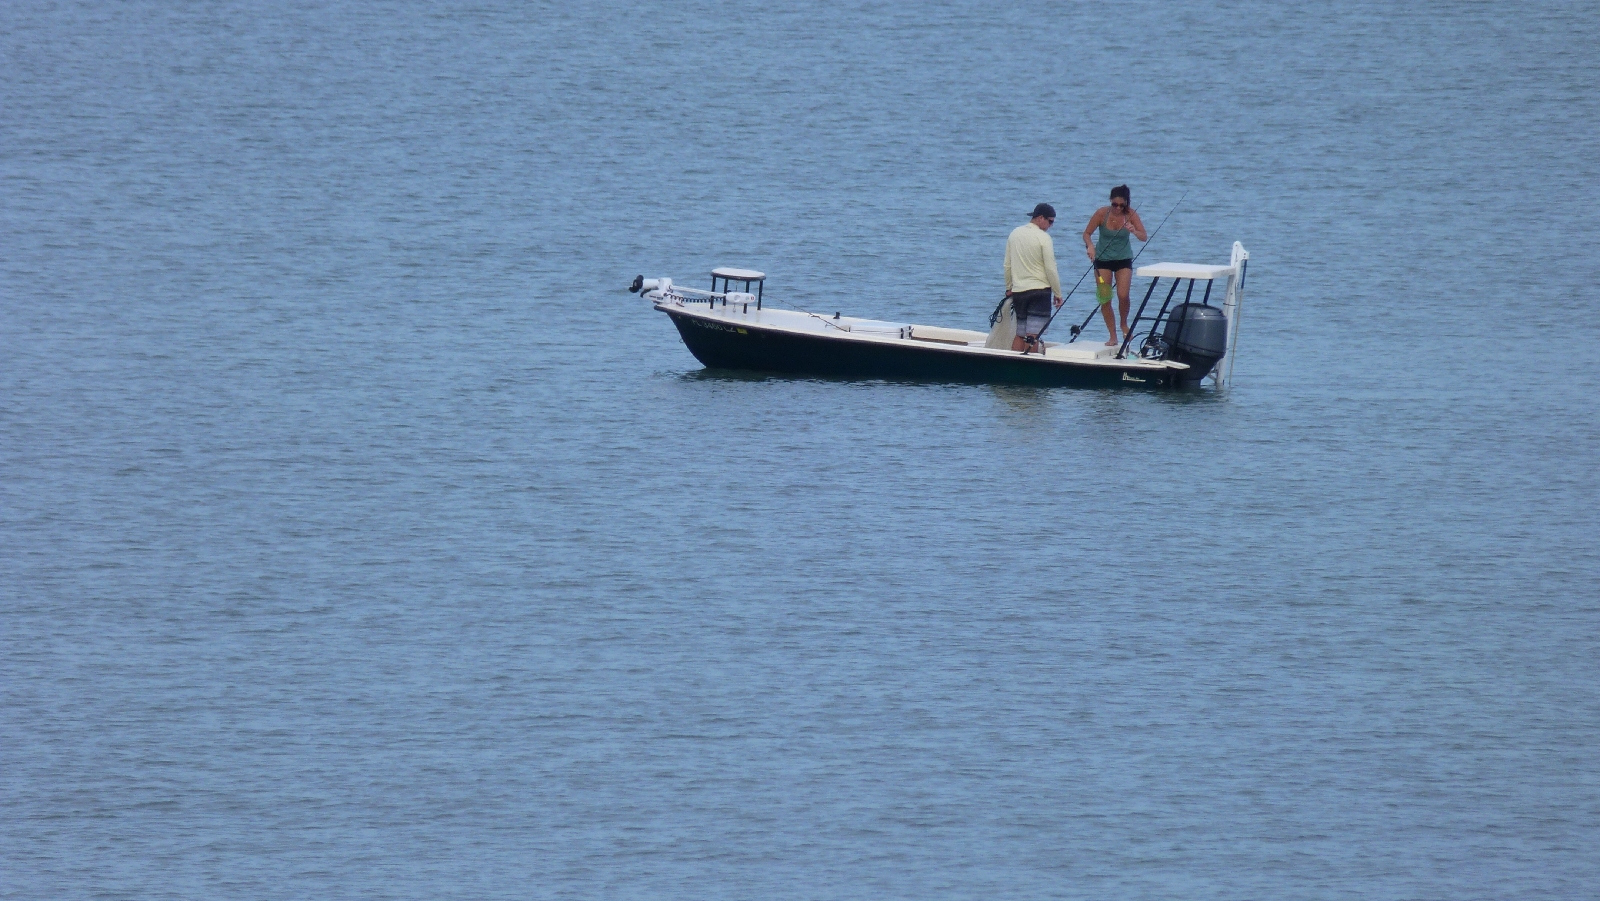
(1196, 334)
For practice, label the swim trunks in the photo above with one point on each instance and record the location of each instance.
(1032, 309)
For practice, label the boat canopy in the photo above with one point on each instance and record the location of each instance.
(1186, 270)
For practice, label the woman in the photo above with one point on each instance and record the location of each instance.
(1113, 258)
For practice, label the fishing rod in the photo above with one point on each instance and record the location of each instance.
(995, 316)
(1078, 329)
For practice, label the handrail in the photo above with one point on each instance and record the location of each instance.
(685, 289)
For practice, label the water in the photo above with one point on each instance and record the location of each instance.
(363, 538)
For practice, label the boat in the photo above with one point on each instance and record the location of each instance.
(1177, 345)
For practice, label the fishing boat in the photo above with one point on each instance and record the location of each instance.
(1179, 344)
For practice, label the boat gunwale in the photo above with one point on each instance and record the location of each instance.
(1133, 363)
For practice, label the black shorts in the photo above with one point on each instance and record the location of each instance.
(1113, 265)
(1036, 301)
(1032, 309)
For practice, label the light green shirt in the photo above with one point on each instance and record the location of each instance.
(1031, 260)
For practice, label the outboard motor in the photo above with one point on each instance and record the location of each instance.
(1198, 335)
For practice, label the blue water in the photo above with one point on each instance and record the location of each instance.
(360, 537)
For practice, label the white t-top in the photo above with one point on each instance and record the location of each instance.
(1185, 270)
(739, 275)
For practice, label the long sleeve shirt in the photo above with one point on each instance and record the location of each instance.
(1031, 260)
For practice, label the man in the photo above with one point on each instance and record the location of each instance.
(1031, 279)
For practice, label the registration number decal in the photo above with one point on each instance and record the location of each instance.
(717, 326)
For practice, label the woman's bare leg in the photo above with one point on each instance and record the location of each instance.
(1105, 308)
(1124, 280)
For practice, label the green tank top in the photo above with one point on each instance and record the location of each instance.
(1113, 245)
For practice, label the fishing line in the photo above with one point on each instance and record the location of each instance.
(823, 319)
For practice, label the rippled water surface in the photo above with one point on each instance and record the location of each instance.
(363, 538)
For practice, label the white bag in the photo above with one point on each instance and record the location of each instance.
(1005, 329)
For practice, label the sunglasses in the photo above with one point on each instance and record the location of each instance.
(1119, 206)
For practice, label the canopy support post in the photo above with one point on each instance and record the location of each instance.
(1139, 317)
(1123, 350)
(1232, 302)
